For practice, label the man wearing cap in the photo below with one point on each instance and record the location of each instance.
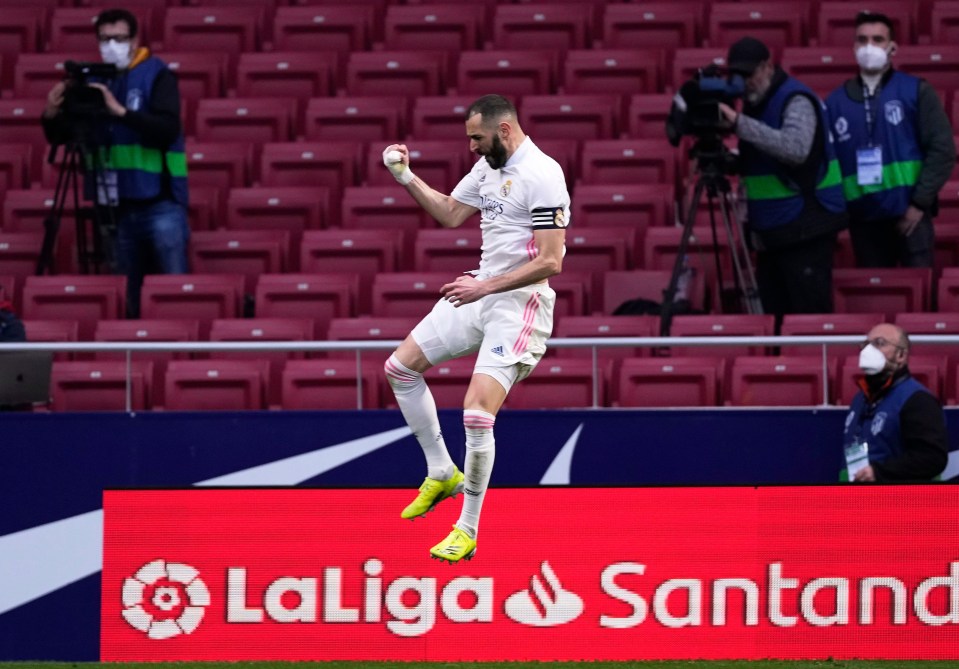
(793, 187)
(896, 150)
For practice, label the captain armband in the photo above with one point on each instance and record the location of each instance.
(549, 218)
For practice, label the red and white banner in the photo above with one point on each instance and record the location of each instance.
(559, 574)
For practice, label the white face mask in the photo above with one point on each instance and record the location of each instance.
(871, 360)
(871, 58)
(116, 53)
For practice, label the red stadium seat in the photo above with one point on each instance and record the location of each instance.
(777, 381)
(559, 383)
(370, 328)
(555, 26)
(19, 253)
(447, 27)
(809, 325)
(889, 291)
(100, 385)
(287, 74)
(204, 210)
(16, 162)
(661, 25)
(53, 331)
(646, 116)
(721, 325)
(410, 294)
(330, 164)
(356, 118)
(573, 293)
(446, 250)
(939, 323)
(199, 74)
(822, 68)
(222, 164)
(83, 298)
(382, 207)
(19, 124)
(661, 246)
(947, 244)
(945, 23)
(613, 71)
(34, 74)
(947, 297)
(10, 290)
(667, 382)
(571, 117)
(342, 28)
(440, 163)
(204, 385)
(634, 206)
(289, 208)
(510, 72)
(777, 24)
(598, 250)
(169, 330)
(628, 161)
(937, 63)
(246, 252)
(25, 210)
(200, 297)
(949, 201)
(397, 73)
(440, 117)
(231, 30)
(245, 119)
(330, 384)
(262, 330)
(71, 28)
(363, 253)
(317, 297)
(836, 24)
(620, 287)
(605, 326)
(20, 32)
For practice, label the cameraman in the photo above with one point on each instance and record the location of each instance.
(140, 146)
(793, 188)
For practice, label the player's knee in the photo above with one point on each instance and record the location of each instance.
(399, 376)
(477, 420)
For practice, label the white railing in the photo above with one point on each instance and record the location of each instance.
(359, 347)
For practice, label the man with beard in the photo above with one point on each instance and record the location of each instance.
(896, 150)
(502, 311)
(792, 182)
(894, 421)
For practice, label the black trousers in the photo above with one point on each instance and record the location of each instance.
(878, 243)
(797, 279)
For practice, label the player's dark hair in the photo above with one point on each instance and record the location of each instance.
(114, 16)
(866, 16)
(492, 108)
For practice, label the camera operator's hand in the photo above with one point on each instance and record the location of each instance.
(55, 100)
(113, 106)
(730, 114)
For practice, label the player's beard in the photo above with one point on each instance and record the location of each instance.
(496, 156)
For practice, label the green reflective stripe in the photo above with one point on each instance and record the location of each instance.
(894, 175)
(767, 187)
(176, 163)
(833, 175)
(134, 157)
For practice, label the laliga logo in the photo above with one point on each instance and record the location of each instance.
(164, 599)
(550, 608)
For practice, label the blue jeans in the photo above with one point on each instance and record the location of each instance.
(151, 239)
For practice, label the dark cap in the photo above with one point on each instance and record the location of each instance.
(746, 55)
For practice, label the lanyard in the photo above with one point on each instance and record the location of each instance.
(867, 98)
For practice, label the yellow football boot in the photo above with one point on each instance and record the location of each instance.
(457, 546)
(432, 492)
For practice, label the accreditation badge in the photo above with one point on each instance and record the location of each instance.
(869, 166)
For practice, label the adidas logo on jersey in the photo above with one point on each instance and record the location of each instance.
(498, 350)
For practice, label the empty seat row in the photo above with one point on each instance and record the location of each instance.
(227, 383)
(364, 25)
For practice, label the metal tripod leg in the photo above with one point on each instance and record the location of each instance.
(745, 274)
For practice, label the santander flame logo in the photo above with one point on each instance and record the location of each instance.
(164, 599)
(544, 605)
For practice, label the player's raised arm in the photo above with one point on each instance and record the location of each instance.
(448, 212)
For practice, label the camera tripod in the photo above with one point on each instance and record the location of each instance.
(713, 162)
(95, 223)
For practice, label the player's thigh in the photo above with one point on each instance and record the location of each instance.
(448, 332)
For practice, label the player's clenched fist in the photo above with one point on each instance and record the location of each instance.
(396, 158)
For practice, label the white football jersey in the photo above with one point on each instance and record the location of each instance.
(528, 193)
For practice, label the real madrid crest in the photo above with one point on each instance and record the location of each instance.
(505, 189)
(559, 220)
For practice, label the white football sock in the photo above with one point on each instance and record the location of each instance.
(419, 409)
(480, 454)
